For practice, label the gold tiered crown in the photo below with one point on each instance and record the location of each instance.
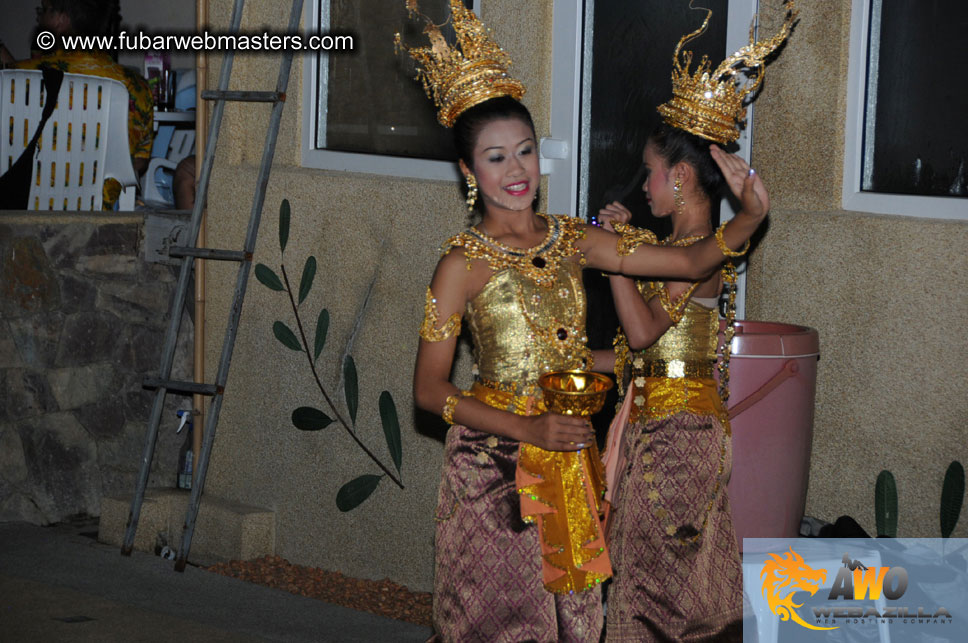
(467, 74)
(712, 104)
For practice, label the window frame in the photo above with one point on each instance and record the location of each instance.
(323, 159)
(853, 198)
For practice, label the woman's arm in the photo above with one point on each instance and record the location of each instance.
(432, 386)
(604, 360)
(695, 262)
(642, 322)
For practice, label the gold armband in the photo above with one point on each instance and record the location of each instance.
(429, 330)
(724, 248)
(450, 404)
(631, 238)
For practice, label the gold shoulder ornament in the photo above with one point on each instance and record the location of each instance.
(631, 238)
(429, 330)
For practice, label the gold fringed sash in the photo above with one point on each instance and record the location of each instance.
(658, 397)
(560, 491)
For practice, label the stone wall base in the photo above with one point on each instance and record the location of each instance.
(224, 530)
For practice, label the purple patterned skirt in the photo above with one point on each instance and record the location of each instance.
(677, 566)
(487, 571)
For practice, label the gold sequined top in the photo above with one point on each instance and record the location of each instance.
(530, 316)
(692, 339)
(675, 374)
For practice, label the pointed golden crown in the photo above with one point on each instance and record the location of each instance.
(711, 104)
(459, 77)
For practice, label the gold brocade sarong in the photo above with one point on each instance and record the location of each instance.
(560, 491)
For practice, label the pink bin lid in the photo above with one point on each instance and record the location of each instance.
(773, 339)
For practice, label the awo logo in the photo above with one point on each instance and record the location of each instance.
(783, 576)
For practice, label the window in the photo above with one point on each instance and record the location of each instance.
(362, 110)
(906, 147)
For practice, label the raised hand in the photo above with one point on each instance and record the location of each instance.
(614, 211)
(553, 432)
(744, 182)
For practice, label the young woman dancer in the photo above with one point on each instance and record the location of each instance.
(677, 573)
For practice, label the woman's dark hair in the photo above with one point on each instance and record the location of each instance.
(91, 17)
(675, 145)
(470, 123)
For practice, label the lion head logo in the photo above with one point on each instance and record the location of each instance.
(789, 572)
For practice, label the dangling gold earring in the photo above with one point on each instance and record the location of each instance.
(471, 191)
(677, 196)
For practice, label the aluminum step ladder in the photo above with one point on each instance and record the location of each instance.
(188, 253)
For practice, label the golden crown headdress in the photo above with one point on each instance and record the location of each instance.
(711, 104)
(461, 76)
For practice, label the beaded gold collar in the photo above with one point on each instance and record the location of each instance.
(540, 263)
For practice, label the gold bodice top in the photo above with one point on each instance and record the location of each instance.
(692, 340)
(675, 374)
(529, 318)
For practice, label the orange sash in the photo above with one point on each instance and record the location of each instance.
(561, 491)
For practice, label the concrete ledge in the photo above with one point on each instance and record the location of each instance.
(224, 530)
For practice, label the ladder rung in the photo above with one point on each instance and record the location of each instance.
(209, 253)
(184, 387)
(249, 97)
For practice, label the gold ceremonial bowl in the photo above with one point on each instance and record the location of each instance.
(574, 392)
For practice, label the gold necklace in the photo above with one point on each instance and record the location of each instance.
(683, 241)
(539, 263)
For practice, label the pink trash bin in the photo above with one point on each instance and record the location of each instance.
(772, 386)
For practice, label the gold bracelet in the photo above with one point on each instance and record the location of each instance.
(724, 248)
(449, 406)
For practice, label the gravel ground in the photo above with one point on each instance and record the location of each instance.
(383, 597)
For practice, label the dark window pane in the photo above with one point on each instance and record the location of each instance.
(368, 101)
(915, 134)
(632, 51)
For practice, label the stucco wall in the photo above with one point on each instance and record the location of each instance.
(885, 292)
(362, 229)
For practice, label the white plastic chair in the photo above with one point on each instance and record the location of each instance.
(157, 190)
(84, 142)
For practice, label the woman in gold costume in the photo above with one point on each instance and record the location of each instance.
(670, 538)
(677, 571)
(520, 549)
